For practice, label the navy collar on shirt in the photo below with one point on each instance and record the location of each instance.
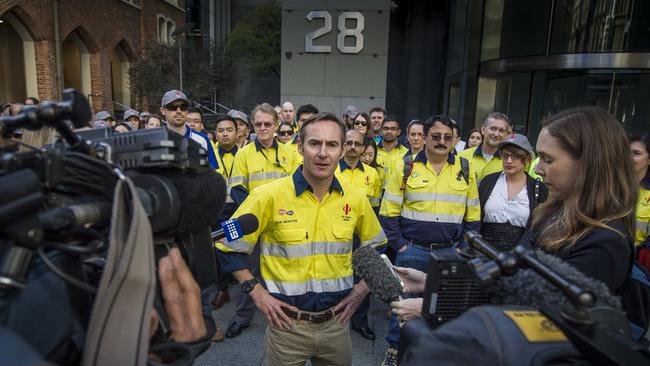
(645, 182)
(381, 144)
(223, 151)
(344, 165)
(301, 184)
(422, 158)
(295, 138)
(479, 151)
(258, 145)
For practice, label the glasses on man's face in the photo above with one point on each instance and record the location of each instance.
(284, 133)
(263, 124)
(438, 137)
(360, 123)
(173, 107)
(353, 143)
(512, 156)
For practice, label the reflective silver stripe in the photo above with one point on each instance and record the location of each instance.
(377, 240)
(229, 199)
(432, 196)
(240, 245)
(430, 217)
(642, 226)
(393, 198)
(305, 250)
(473, 202)
(374, 200)
(263, 176)
(301, 288)
(238, 180)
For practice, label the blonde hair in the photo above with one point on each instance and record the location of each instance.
(265, 108)
(605, 187)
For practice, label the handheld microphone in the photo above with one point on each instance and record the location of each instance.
(378, 274)
(236, 228)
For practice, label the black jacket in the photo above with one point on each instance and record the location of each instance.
(532, 185)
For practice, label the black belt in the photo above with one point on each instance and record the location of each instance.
(431, 246)
(312, 317)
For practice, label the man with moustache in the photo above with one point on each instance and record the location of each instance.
(377, 115)
(485, 158)
(427, 207)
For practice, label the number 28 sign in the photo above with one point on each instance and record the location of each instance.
(344, 32)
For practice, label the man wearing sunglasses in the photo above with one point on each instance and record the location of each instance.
(174, 108)
(256, 164)
(427, 206)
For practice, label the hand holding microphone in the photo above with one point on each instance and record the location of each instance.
(414, 280)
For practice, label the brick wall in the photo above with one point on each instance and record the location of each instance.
(102, 25)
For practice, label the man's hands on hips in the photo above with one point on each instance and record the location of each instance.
(351, 302)
(272, 307)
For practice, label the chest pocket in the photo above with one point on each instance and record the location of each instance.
(343, 232)
(458, 185)
(290, 235)
(417, 182)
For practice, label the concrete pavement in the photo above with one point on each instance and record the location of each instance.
(248, 348)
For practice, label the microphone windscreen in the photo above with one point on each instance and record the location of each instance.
(203, 196)
(527, 288)
(248, 223)
(369, 265)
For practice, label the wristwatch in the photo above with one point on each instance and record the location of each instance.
(248, 286)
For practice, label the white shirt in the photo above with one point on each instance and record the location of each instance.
(500, 210)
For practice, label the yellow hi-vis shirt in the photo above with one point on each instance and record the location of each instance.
(256, 166)
(478, 163)
(226, 160)
(362, 176)
(388, 159)
(306, 245)
(643, 213)
(433, 208)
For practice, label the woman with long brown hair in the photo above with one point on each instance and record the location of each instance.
(588, 219)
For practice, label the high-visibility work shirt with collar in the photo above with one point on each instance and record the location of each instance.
(643, 213)
(294, 146)
(226, 159)
(433, 208)
(363, 177)
(256, 166)
(306, 245)
(478, 163)
(386, 158)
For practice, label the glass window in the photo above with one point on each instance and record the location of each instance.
(581, 26)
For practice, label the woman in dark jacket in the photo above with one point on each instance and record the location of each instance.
(508, 198)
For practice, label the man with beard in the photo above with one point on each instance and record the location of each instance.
(485, 158)
(377, 115)
(390, 149)
(174, 108)
(427, 206)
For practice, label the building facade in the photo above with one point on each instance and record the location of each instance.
(46, 46)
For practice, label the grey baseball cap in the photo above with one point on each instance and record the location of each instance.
(238, 115)
(351, 111)
(99, 124)
(144, 114)
(103, 115)
(520, 141)
(131, 113)
(173, 95)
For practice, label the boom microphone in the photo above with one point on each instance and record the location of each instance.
(528, 288)
(379, 275)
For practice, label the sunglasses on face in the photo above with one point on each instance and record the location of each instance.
(438, 137)
(353, 143)
(265, 124)
(174, 107)
(284, 133)
(360, 123)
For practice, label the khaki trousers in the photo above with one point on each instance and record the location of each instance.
(327, 343)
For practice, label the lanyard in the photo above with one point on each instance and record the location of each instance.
(277, 161)
(225, 170)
